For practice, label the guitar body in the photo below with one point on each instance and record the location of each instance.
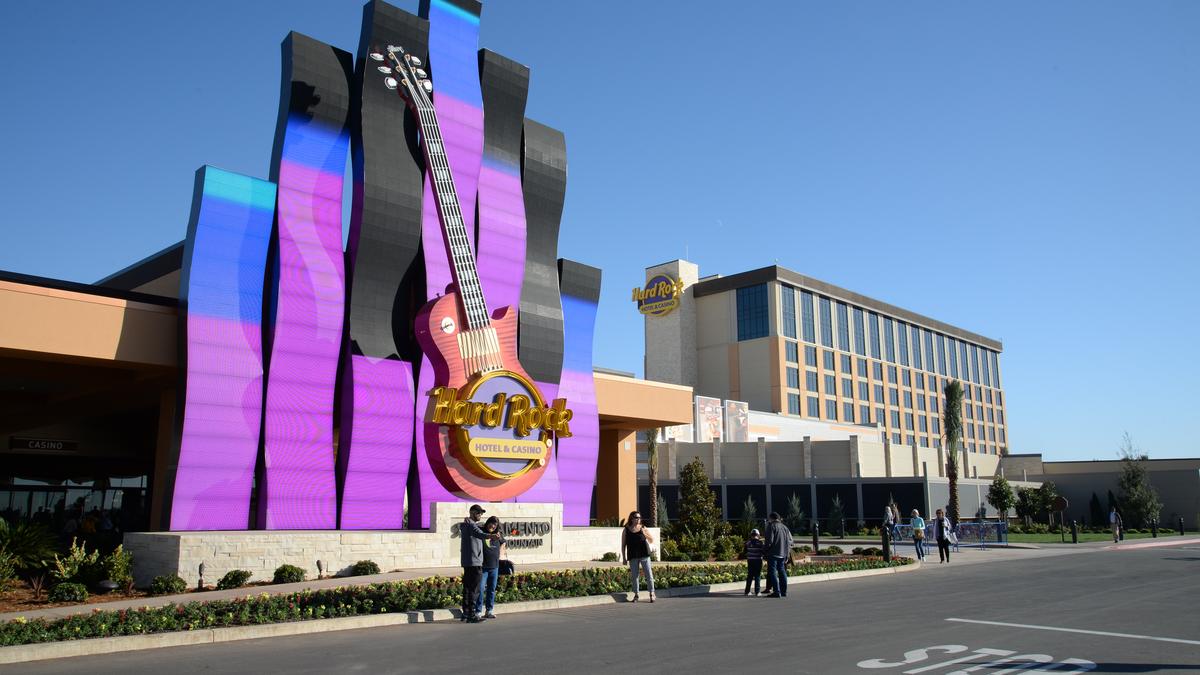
(437, 327)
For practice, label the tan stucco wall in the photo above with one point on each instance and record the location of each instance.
(740, 460)
(785, 460)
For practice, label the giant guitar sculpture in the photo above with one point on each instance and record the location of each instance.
(477, 431)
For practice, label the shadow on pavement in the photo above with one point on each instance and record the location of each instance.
(1142, 668)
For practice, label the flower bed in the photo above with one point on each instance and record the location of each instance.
(395, 596)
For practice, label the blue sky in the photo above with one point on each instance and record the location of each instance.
(1025, 170)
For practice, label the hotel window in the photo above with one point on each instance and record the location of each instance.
(889, 339)
(830, 409)
(847, 412)
(830, 359)
(970, 431)
(928, 349)
(895, 419)
(879, 393)
(846, 362)
(878, 370)
(831, 385)
(970, 412)
(908, 399)
(896, 438)
(953, 359)
(864, 391)
(902, 329)
(847, 387)
(793, 352)
(793, 378)
(937, 425)
(987, 396)
(976, 373)
(923, 424)
(907, 377)
(879, 418)
(982, 433)
(893, 396)
(933, 404)
(862, 367)
(941, 354)
(991, 415)
(752, 319)
(908, 421)
(1000, 416)
(924, 441)
(921, 402)
(933, 383)
(991, 433)
(810, 356)
(814, 407)
(916, 347)
(810, 380)
(1002, 440)
(892, 374)
(967, 393)
(910, 440)
(793, 404)
(860, 336)
(978, 394)
(826, 322)
(995, 369)
(920, 380)
(987, 372)
(843, 327)
(966, 363)
(864, 414)
(937, 444)
(787, 298)
(979, 413)
(808, 325)
(873, 329)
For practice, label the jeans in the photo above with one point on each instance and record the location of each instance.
(753, 572)
(634, 580)
(777, 574)
(919, 547)
(471, 577)
(487, 589)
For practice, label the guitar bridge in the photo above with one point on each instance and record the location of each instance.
(480, 350)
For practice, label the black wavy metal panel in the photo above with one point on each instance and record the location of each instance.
(544, 183)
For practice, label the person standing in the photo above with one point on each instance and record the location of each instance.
(779, 551)
(942, 531)
(1114, 521)
(471, 542)
(918, 534)
(754, 560)
(635, 548)
(493, 551)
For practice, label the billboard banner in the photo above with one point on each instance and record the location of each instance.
(737, 421)
(709, 425)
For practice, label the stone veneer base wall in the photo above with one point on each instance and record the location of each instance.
(261, 551)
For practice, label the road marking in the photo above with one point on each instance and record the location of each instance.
(1079, 630)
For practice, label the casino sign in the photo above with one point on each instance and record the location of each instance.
(659, 297)
(499, 425)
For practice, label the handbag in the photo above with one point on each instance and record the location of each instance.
(507, 568)
(918, 534)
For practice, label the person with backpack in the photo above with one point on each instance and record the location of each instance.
(918, 534)
(753, 553)
(779, 552)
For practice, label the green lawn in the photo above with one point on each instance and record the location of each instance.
(1083, 536)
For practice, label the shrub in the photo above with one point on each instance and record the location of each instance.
(288, 574)
(8, 570)
(78, 566)
(697, 546)
(118, 565)
(364, 567)
(805, 548)
(612, 557)
(672, 552)
(728, 548)
(168, 584)
(30, 545)
(834, 550)
(234, 579)
(69, 592)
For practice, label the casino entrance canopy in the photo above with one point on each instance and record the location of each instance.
(88, 389)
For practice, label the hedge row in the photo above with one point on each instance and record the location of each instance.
(396, 596)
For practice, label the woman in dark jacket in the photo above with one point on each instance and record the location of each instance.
(635, 547)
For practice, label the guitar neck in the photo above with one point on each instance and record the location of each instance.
(458, 243)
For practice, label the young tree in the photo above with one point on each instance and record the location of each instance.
(837, 513)
(699, 517)
(749, 515)
(1027, 504)
(1000, 496)
(652, 471)
(794, 518)
(952, 424)
(1138, 497)
(664, 519)
(1046, 495)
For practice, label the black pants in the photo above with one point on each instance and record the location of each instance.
(944, 549)
(753, 572)
(471, 577)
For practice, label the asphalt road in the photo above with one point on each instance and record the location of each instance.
(1054, 612)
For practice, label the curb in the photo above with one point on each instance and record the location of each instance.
(128, 643)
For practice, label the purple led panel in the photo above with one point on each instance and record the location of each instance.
(454, 68)
(299, 488)
(221, 289)
(375, 451)
(577, 455)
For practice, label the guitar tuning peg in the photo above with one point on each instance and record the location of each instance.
(414, 60)
(427, 86)
(385, 70)
(421, 73)
(390, 82)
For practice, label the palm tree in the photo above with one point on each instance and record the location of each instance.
(652, 472)
(952, 422)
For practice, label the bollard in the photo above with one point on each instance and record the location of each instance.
(816, 528)
(842, 528)
(1154, 530)
(1074, 532)
(1181, 526)
(887, 544)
